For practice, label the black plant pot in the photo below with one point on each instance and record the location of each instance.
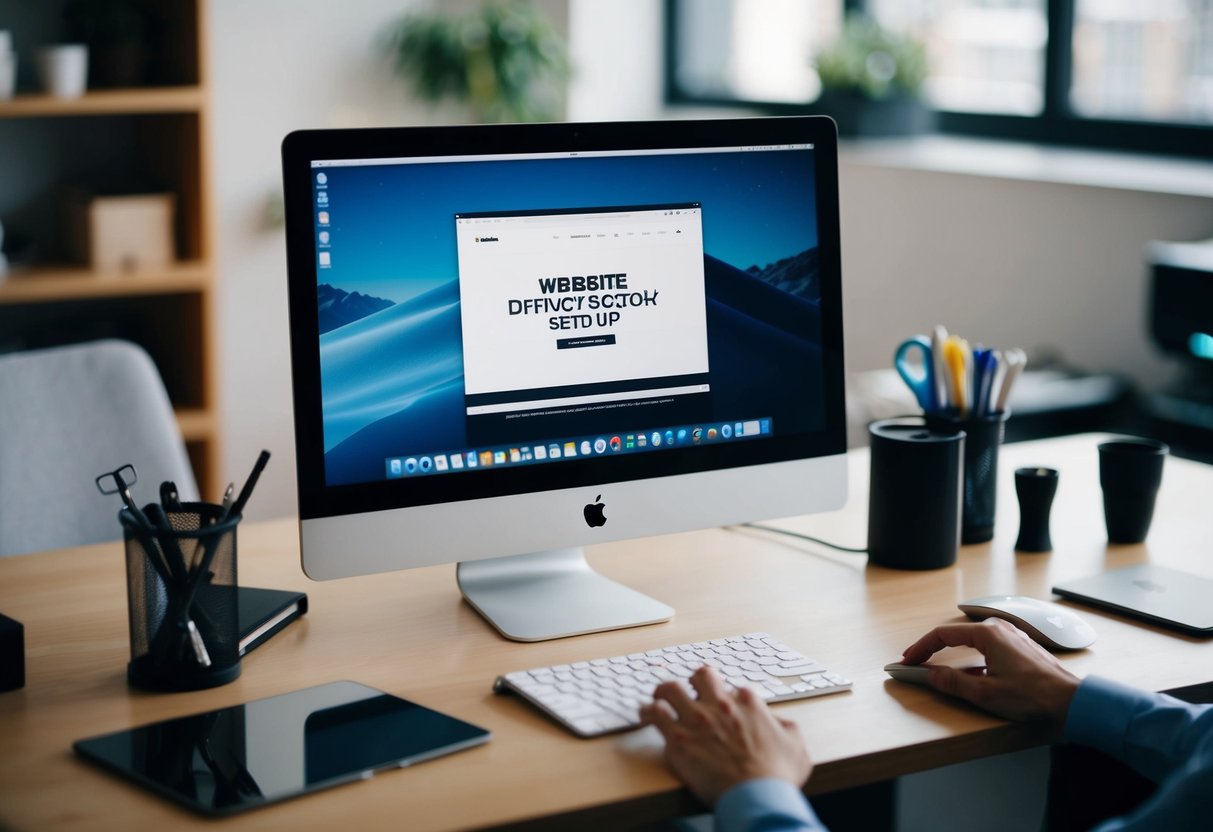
(858, 115)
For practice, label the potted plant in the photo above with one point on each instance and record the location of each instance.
(871, 80)
(503, 60)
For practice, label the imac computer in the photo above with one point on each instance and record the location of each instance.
(511, 341)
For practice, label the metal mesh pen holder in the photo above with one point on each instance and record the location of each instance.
(181, 596)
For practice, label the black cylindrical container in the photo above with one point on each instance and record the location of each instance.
(181, 597)
(914, 497)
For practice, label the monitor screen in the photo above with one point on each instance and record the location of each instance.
(481, 316)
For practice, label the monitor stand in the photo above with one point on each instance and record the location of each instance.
(552, 594)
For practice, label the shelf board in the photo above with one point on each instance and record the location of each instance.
(197, 425)
(59, 284)
(107, 102)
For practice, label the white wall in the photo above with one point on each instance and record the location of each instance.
(1010, 263)
(1002, 261)
(278, 66)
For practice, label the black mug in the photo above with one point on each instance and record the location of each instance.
(1130, 471)
(914, 496)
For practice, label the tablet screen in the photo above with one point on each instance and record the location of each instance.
(249, 755)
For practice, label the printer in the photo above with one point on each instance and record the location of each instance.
(1180, 280)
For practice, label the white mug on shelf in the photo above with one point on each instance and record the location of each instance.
(63, 69)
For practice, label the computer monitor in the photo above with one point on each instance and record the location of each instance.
(511, 341)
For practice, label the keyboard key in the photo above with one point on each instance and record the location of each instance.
(601, 696)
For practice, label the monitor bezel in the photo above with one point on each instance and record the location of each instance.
(300, 149)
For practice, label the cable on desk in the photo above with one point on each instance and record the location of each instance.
(807, 537)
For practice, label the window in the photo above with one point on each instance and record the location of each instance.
(1130, 74)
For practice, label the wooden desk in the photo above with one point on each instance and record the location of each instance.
(409, 633)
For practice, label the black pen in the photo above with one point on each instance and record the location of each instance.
(247, 491)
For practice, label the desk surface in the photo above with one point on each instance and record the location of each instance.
(409, 633)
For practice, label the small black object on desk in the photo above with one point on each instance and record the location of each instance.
(1035, 488)
(12, 654)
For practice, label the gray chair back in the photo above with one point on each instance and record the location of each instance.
(68, 414)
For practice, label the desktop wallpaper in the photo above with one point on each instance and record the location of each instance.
(390, 344)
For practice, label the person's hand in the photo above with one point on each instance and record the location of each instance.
(723, 738)
(1021, 680)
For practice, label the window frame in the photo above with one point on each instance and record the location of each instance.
(1057, 124)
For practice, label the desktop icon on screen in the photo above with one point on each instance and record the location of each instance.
(570, 449)
(726, 431)
(499, 457)
(682, 435)
(440, 462)
(395, 467)
(655, 439)
(323, 217)
(585, 447)
(541, 452)
(554, 451)
(425, 464)
(410, 466)
(515, 455)
(600, 445)
(456, 462)
(669, 437)
(486, 458)
(697, 435)
(471, 459)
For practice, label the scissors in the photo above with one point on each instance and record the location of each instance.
(920, 381)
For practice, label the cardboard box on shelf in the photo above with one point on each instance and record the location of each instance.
(126, 233)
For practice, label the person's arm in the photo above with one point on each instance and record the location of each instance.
(1151, 732)
(1158, 735)
(734, 755)
(765, 805)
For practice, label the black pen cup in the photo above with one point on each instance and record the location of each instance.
(983, 436)
(913, 495)
(181, 597)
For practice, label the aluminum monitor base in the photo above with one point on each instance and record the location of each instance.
(553, 594)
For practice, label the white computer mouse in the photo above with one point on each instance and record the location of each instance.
(915, 674)
(1050, 625)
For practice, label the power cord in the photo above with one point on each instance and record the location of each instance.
(807, 537)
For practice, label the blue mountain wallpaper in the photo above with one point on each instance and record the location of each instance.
(392, 381)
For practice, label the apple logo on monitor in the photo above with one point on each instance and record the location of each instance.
(593, 513)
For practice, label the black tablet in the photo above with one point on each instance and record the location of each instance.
(238, 758)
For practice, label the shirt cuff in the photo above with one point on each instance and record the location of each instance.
(1100, 713)
(766, 803)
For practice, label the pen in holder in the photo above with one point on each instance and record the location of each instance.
(983, 435)
(181, 594)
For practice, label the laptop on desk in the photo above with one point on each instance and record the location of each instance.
(1167, 597)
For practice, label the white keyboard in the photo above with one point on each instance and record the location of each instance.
(602, 696)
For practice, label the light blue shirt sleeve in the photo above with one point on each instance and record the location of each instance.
(765, 805)
(1169, 741)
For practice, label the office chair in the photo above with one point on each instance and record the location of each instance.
(67, 415)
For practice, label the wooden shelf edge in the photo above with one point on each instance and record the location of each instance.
(196, 424)
(189, 99)
(58, 284)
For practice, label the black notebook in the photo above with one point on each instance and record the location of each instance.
(264, 612)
